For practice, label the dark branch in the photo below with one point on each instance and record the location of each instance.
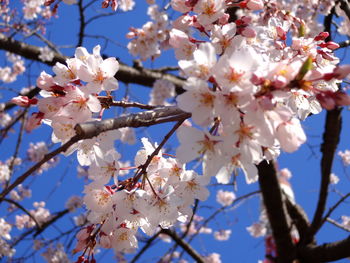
(194, 254)
(328, 148)
(82, 24)
(299, 218)
(326, 252)
(276, 212)
(344, 5)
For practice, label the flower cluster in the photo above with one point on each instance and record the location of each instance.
(164, 197)
(147, 41)
(250, 84)
(9, 74)
(66, 100)
(5, 248)
(40, 213)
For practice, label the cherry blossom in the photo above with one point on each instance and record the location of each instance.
(225, 198)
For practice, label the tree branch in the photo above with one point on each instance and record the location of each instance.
(18, 205)
(326, 252)
(142, 119)
(339, 225)
(91, 129)
(328, 148)
(341, 200)
(276, 212)
(193, 253)
(299, 218)
(344, 5)
(82, 23)
(145, 247)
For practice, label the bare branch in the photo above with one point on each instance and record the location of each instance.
(299, 218)
(328, 148)
(32, 169)
(144, 119)
(344, 5)
(5, 130)
(82, 23)
(344, 44)
(276, 212)
(341, 200)
(326, 252)
(193, 253)
(145, 247)
(335, 223)
(107, 101)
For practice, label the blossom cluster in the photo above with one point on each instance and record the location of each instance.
(164, 197)
(148, 41)
(9, 74)
(250, 82)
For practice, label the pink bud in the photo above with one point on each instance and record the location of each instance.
(246, 19)
(223, 20)
(80, 259)
(330, 45)
(325, 55)
(22, 101)
(130, 35)
(34, 121)
(255, 4)
(257, 80)
(191, 3)
(114, 5)
(279, 82)
(327, 102)
(248, 32)
(341, 72)
(105, 3)
(83, 234)
(321, 36)
(281, 33)
(342, 99)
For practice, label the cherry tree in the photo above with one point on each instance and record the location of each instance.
(242, 80)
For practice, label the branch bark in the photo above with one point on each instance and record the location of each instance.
(276, 212)
(142, 119)
(91, 129)
(193, 253)
(328, 148)
(327, 252)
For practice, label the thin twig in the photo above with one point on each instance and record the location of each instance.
(330, 211)
(82, 23)
(145, 247)
(143, 168)
(193, 253)
(23, 209)
(335, 223)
